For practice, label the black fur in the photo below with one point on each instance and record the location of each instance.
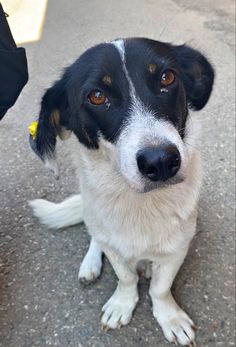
(69, 95)
(54, 99)
(197, 75)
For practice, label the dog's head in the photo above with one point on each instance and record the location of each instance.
(134, 96)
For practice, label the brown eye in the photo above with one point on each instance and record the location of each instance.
(97, 98)
(167, 78)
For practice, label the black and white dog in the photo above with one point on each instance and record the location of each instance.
(127, 102)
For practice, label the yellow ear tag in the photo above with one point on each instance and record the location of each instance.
(33, 129)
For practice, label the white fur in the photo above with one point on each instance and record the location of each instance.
(114, 207)
(56, 216)
(144, 130)
(119, 308)
(51, 164)
(129, 226)
(175, 323)
(91, 266)
(120, 45)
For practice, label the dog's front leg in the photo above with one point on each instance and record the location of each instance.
(119, 308)
(175, 323)
(91, 266)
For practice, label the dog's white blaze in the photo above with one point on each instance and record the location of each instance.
(119, 44)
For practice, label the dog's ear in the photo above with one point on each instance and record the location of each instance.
(52, 122)
(197, 75)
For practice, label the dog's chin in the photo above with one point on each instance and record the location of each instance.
(145, 186)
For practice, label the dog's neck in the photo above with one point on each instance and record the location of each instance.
(102, 180)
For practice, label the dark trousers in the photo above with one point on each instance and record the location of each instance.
(13, 67)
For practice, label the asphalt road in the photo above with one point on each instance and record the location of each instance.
(41, 301)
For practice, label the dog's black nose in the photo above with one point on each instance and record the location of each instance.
(159, 163)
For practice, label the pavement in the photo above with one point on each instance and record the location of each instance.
(41, 301)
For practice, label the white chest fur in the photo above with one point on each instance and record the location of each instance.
(137, 225)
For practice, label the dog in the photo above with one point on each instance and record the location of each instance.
(128, 103)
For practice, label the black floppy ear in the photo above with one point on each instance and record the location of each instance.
(52, 122)
(197, 75)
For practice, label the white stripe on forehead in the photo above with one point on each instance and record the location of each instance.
(120, 46)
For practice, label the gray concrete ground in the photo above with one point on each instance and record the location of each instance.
(42, 302)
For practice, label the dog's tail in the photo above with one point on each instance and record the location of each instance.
(63, 214)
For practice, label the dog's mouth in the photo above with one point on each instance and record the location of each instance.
(145, 186)
(150, 186)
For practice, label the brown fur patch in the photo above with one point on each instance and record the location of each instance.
(107, 80)
(152, 68)
(62, 132)
(55, 119)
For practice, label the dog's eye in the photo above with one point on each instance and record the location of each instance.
(167, 78)
(97, 98)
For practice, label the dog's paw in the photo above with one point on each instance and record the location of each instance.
(175, 323)
(179, 330)
(118, 310)
(90, 269)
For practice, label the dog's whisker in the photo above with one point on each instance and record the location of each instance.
(200, 150)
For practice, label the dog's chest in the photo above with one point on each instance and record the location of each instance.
(136, 228)
(137, 225)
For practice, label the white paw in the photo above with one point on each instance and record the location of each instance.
(118, 309)
(175, 323)
(90, 268)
